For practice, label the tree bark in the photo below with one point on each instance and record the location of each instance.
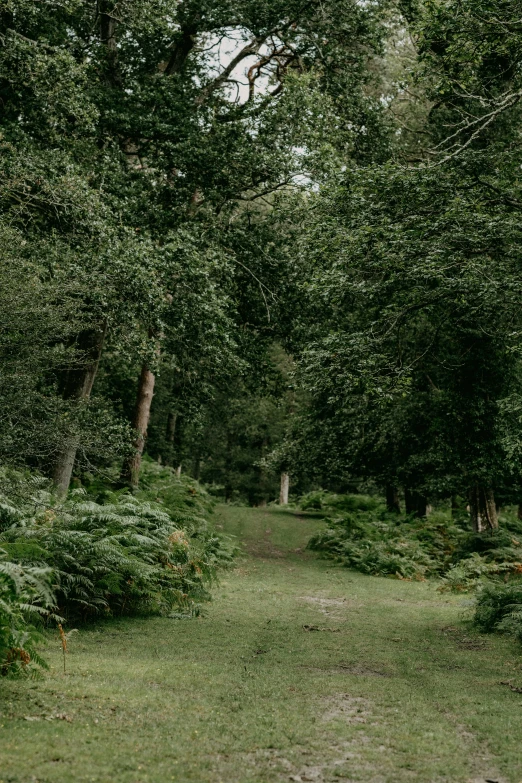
(178, 471)
(519, 511)
(130, 473)
(181, 51)
(171, 426)
(392, 499)
(107, 25)
(108, 22)
(415, 502)
(77, 385)
(197, 466)
(285, 487)
(170, 433)
(482, 508)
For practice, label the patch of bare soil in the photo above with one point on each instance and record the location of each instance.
(351, 709)
(357, 669)
(330, 606)
(325, 604)
(344, 759)
(462, 640)
(484, 769)
(241, 571)
(362, 670)
(265, 550)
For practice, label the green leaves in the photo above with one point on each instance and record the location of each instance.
(26, 596)
(125, 556)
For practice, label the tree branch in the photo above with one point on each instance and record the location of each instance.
(181, 51)
(251, 48)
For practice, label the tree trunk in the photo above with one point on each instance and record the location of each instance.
(415, 502)
(108, 21)
(181, 51)
(519, 511)
(392, 499)
(482, 508)
(172, 420)
(197, 466)
(171, 426)
(285, 487)
(64, 465)
(77, 385)
(107, 25)
(130, 473)
(178, 471)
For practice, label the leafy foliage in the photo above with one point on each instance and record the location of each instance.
(81, 559)
(374, 541)
(26, 597)
(123, 556)
(140, 163)
(499, 608)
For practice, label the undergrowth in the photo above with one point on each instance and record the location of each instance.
(361, 534)
(26, 595)
(102, 553)
(499, 608)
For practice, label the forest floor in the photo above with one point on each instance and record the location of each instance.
(297, 671)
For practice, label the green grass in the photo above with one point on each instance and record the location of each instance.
(400, 689)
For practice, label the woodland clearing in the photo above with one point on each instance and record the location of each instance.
(296, 671)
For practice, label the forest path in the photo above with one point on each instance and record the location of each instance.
(297, 671)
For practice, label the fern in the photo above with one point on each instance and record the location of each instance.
(126, 555)
(79, 558)
(26, 597)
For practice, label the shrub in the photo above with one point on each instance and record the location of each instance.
(499, 608)
(155, 552)
(121, 557)
(470, 572)
(320, 500)
(375, 542)
(25, 597)
(179, 494)
(371, 540)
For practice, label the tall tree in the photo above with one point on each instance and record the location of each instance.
(415, 279)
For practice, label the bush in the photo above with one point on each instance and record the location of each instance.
(321, 500)
(373, 555)
(124, 556)
(179, 494)
(470, 572)
(25, 597)
(150, 553)
(370, 539)
(499, 608)
(375, 542)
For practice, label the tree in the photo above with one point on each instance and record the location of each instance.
(141, 101)
(415, 284)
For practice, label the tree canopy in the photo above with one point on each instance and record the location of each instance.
(287, 232)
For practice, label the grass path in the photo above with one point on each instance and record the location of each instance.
(393, 686)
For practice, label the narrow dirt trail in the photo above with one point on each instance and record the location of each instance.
(297, 671)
